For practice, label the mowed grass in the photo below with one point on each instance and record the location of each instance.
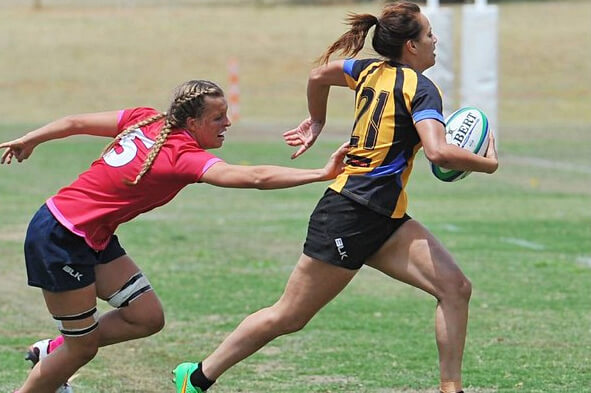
(215, 255)
(523, 235)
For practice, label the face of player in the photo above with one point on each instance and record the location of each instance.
(210, 129)
(424, 46)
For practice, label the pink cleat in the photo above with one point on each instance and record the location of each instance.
(40, 350)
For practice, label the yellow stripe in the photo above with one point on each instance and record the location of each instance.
(363, 73)
(352, 83)
(386, 130)
(339, 182)
(409, 89)
(184, 388)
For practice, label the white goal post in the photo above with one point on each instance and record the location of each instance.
(478, 55)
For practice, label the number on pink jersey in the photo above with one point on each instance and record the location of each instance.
(125, 156)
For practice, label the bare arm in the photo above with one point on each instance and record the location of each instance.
(439, 152)
(266, 177)
(98, 124)
(319, 82)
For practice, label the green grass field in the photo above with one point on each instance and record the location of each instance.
(522, 235)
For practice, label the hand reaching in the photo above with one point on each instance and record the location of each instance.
(336, 163)
(18, 148)
(304, 136)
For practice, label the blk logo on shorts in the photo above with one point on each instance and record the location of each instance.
(341, 248)
(72, 272)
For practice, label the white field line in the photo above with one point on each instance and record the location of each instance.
(548, 164)
(584, 261)
(512, 240)
(452, 228)
(523, 243)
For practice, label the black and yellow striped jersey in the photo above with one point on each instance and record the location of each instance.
(390, 98)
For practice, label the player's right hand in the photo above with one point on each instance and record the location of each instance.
(491, 151)
(303, 136)
(18, 149)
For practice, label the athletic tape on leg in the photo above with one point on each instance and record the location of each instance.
(77, 332)
(133, 288)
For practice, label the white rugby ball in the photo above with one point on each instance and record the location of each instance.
(466, 128)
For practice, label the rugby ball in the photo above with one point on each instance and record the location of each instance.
(466, 128)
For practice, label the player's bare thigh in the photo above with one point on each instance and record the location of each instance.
(110, 277)
(312, 285)
(413, 255)
(73, 303)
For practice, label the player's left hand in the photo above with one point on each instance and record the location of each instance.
(336, 163)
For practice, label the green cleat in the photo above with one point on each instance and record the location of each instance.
(182, 378)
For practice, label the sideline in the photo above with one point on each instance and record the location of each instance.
(549, 164)
(523, 243)
(585, 261)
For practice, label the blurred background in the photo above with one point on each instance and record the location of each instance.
(66, 56)
(131, 52)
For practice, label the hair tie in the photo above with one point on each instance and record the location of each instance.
(375, 21)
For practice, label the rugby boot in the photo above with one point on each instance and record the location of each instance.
(40, 350)
(182, 378)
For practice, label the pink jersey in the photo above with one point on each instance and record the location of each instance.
(96, 203)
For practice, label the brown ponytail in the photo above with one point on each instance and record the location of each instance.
(398, 23)
(351, 43)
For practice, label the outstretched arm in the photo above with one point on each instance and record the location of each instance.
(319, 82)
(439, 152)
(265, 177)
(98, 124)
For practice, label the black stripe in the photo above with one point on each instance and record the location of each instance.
(371, 71)
(134, 295)
(76, 317)
(131, 281)
(358, 161)
(79, 332)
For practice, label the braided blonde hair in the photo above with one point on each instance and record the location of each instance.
(188, 102)
(129, 129)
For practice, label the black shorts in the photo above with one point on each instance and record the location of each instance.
(58, 260)
(345, 233)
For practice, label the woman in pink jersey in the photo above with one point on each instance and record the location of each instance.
(71, 250)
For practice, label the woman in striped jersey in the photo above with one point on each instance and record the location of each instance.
(362, 218)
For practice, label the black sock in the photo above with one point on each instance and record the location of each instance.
(199, 380)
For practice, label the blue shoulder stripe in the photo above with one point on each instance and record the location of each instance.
(348, 67)
(428, 114)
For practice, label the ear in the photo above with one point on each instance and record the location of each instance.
(411, 46)
(192, 123)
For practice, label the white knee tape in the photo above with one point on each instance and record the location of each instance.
(137, 285)
(93, 312)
